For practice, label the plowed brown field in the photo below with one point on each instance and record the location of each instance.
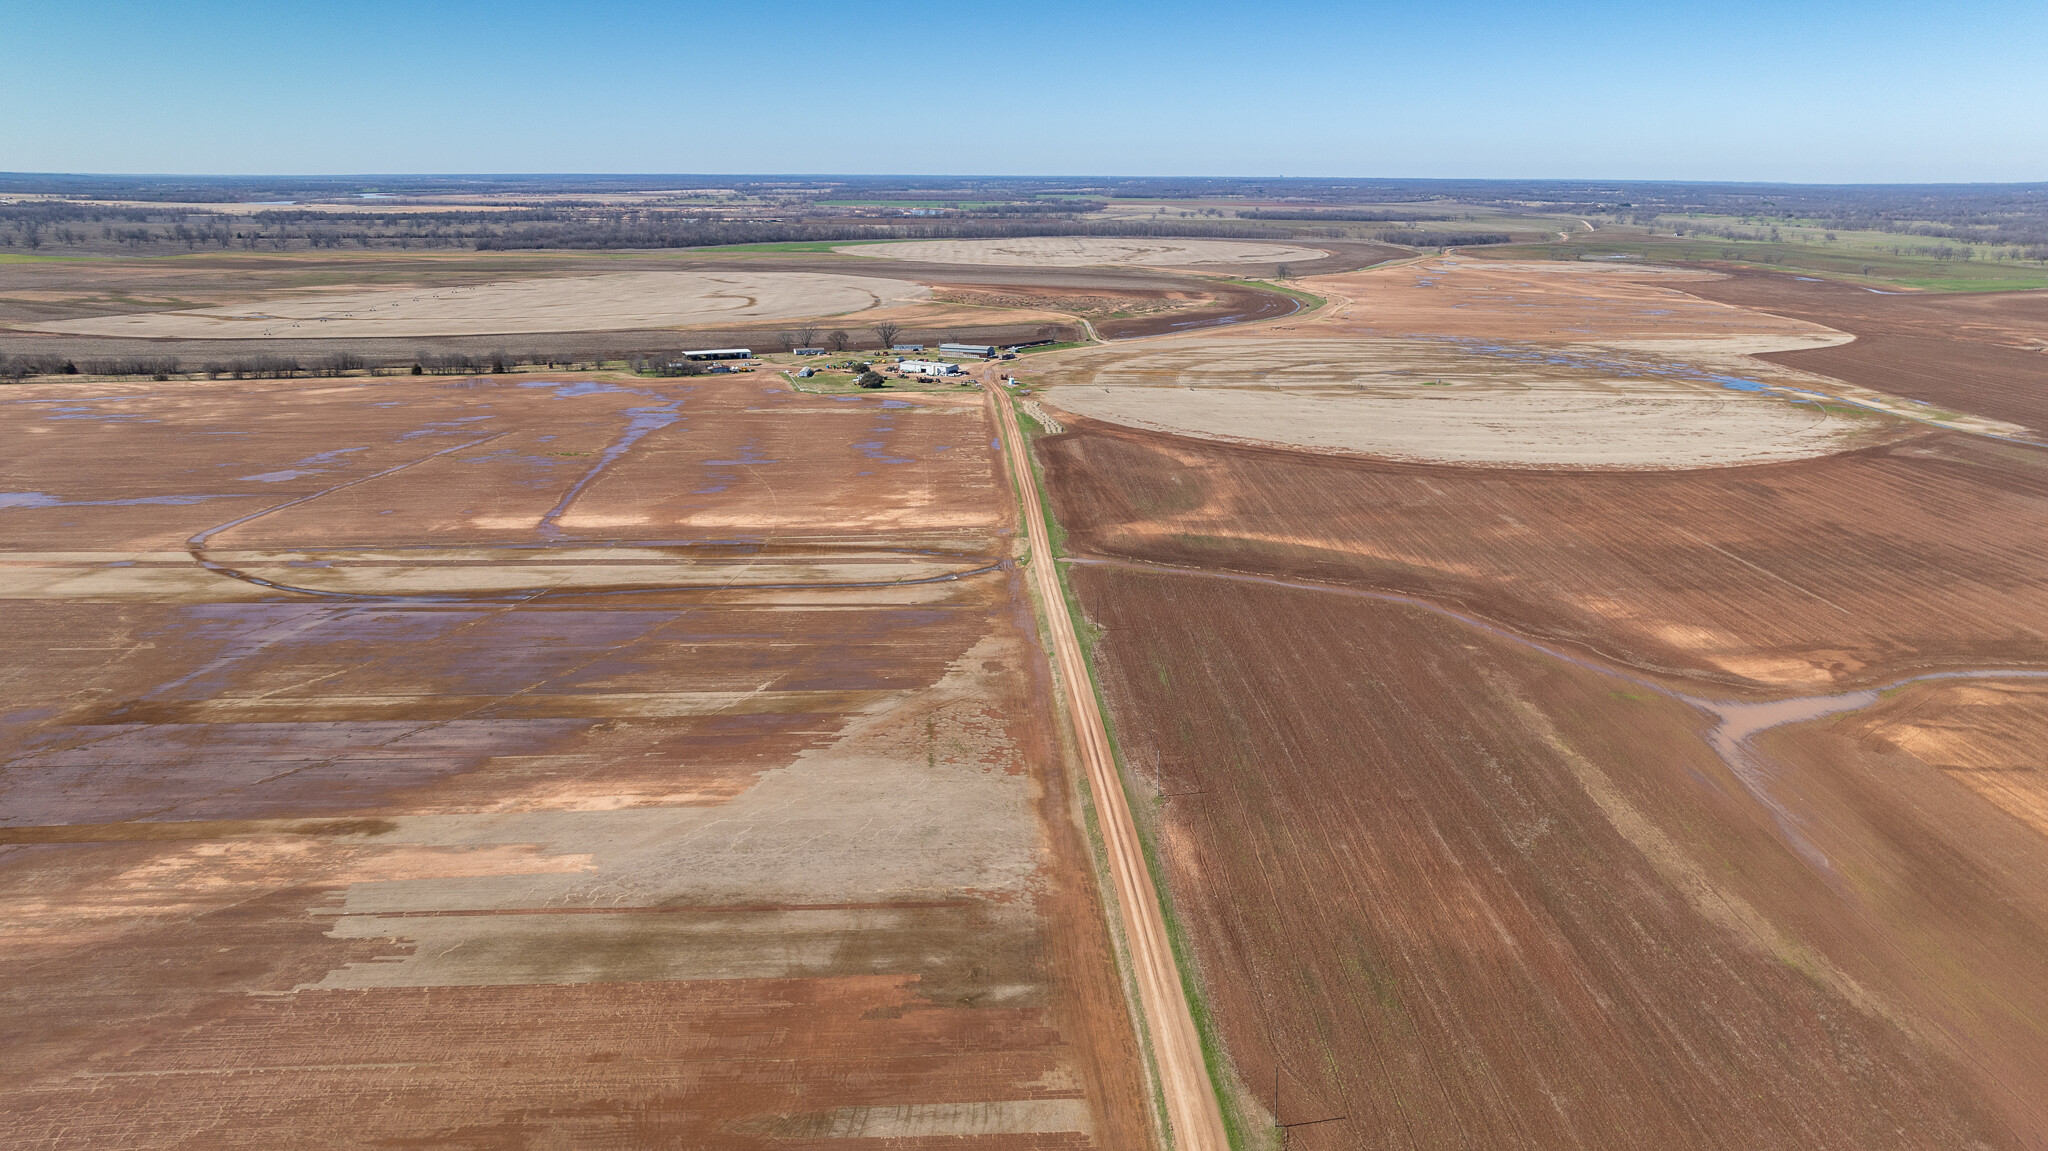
(1816, 574)
(1983, 353)
(1466, 890)
(500, 763)
(1465, 894)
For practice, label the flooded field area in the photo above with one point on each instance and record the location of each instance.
(578, 761)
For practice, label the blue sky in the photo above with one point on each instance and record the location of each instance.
(1799, 91)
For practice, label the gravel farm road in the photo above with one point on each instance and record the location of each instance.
(1191, 1108)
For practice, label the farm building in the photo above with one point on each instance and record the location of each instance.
(906, 347)
(808, 351)
(720, 354)
(928, 368)
(985, 351)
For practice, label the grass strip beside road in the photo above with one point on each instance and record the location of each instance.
(1194, 1113)
(1231, 1092)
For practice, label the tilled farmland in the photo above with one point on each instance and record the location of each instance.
(1571, 808)
(1984, 353)
(1817, 574)
(1460, 892)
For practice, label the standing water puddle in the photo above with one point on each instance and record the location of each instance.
(640, 421)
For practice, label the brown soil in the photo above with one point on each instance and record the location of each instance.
(1817, 574)
(1984, 353)
(1464, 893)
(1460, 888)
(771, 850)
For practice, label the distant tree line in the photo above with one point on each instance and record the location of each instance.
(688, 211)
(37, 225)
(18, 368)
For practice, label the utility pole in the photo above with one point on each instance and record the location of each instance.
(1159, 785)
(1284, 1127)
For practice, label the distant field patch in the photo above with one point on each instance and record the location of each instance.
(1451, 401)
(1083, 251)
(617, 302)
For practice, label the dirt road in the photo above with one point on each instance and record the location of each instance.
(1191, 1108)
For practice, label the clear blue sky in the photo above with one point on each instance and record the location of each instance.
(1796, 90)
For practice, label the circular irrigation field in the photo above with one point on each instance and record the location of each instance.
(618, 302)
(1427, 400)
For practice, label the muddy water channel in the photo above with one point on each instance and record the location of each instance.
(1733, 737)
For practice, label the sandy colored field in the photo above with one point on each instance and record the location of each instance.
(999, 304)
(626, 300)
(690, 821)
(1984, 735)
(1451, 400)
(1522, 365)
(1083, 251)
